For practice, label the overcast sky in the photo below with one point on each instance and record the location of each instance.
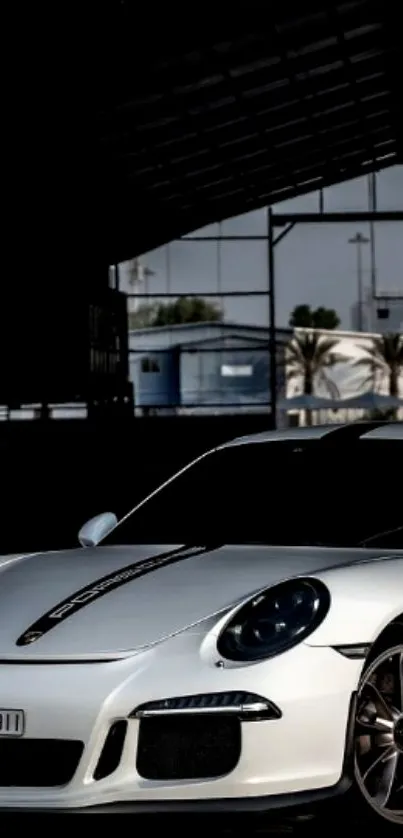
(314, 264)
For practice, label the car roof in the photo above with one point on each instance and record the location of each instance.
(352, 430)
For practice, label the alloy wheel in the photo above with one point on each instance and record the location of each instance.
(379, 735)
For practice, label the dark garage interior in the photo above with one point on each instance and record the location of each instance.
(140, 146)
(127, 128)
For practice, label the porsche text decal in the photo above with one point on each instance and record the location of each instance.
(99, 588)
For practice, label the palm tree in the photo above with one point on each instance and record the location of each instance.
(309, 356)
(384, 359)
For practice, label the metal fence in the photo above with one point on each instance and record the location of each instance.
(201, 350)
(180, 364)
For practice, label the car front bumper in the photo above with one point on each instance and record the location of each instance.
(298, 759)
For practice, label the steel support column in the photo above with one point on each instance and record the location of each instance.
(272, 321)
(272, 240)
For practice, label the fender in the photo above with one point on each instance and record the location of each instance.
(366, 597)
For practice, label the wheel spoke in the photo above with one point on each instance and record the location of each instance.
(376, 726)
(386, 764)
(377, 762)
(400, 680)
(384, 709)
(387, 780)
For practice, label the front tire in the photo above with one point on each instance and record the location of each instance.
(378, 733)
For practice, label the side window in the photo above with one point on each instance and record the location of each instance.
(149, 365)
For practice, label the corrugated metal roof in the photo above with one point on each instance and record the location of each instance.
(204, 114)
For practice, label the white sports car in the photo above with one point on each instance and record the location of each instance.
(235, 643)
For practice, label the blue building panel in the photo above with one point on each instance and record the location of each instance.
(204, 364)
(156, 378)
(220, 375)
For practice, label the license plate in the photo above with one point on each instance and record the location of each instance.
(12, 722)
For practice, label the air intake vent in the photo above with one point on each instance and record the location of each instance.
(112, 751)
(185, 748)
(38, 762)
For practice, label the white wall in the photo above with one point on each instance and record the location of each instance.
(349, 380)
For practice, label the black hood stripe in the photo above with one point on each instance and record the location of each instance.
(100, 587)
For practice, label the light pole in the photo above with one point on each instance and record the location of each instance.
(139, 273)
(359, 239)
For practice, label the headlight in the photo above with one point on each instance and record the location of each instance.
(275, 620)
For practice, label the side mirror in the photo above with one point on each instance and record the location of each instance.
(96, 529)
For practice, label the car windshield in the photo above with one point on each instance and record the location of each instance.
(278, 493)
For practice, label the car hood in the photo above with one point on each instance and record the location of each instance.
(94, 602)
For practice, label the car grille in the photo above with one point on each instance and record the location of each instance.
(188, 747)
(38, 762)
